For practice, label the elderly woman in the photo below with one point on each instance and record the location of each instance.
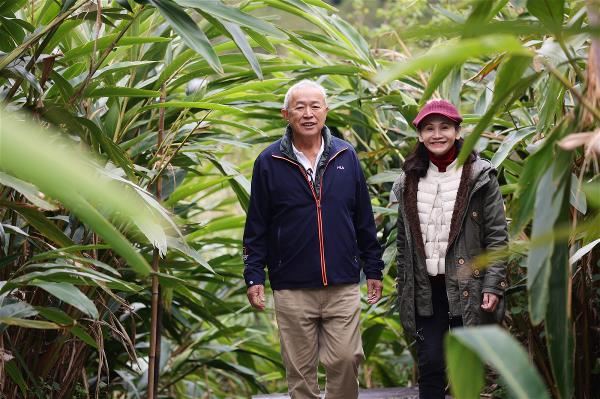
(447, 215)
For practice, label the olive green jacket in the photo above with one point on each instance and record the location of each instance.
(478, 223)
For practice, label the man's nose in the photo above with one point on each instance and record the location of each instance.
(307, 112)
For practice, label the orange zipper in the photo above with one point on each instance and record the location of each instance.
(318, 205)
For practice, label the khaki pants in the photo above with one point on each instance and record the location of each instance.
(320, 324)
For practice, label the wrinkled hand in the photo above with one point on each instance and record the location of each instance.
(374, 288)
(490, 301)
(256, 296)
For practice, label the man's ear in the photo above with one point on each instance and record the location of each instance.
(284, 113)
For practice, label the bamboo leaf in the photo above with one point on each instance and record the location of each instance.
(70, 294)
(26, 323)
(15, 374)
(104, 42)
(581, 252)
(549, 202)
(454, 53)
(220, 11)
(28, 190)
(122, 92)
(195, 104)
(185, 27)
(511, 94)
(497, 348)
(549, 12)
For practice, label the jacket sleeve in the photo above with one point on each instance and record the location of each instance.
(366, 233)
(400, 243)
(495, 236)
(256, 230)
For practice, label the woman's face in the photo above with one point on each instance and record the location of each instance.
(438, 133)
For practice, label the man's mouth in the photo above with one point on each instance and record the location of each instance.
(309, 124)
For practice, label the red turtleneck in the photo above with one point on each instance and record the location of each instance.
(443, 161)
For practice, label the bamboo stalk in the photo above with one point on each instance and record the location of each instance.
(154, 355)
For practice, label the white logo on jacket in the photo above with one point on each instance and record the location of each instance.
(340, 167)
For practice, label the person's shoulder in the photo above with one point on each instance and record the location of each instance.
(483, 168)
(269, 151)
(482, 163)
(338, 144)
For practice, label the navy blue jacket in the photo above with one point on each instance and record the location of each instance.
(307, 238)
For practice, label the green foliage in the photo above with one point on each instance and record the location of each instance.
(178, 96)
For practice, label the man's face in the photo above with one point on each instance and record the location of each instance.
(306, 111)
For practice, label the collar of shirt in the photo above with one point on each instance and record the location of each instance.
(304, 160)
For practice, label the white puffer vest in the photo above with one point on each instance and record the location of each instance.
(435, 201)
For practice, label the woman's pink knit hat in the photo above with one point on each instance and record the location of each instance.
(440, 107)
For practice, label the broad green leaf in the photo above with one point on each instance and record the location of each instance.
(16, 310)
(509, 95)
(185, 249)
(70, 294)
(350, 35)
(220, 11)
(465, 369)
(190, 33)
(558, 325)
(61, 171)
(548, 205)
(242, 43)
(576, 196)
(106, 41)
(549, 12)
(509, 142)
(27, 323)
(37, 219)
(510, 71)
(454, 53)
(370, 337)
(440, 72)
(122, 92)
(581, 252)
(28, 190)
(121, 66)
(195, 104)
(13, 371)
(495, 347)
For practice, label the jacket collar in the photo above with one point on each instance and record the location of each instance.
(285, 146)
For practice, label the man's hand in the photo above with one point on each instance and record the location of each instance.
(256, 296)
(374, 288)
(490, 301)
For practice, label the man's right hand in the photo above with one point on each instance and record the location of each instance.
(256, 296)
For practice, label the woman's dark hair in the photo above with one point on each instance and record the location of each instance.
(417, 163)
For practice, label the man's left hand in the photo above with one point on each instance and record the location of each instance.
(490, 301)
(374, 288)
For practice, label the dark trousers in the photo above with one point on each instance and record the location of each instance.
(430, 342)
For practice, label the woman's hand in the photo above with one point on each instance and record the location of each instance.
(490, 301)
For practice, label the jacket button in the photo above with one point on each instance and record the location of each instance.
(476, 272)
(474, 214)
(465, 293)
(503, 284)
(461, 261)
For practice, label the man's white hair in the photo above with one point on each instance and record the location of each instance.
(301, 84)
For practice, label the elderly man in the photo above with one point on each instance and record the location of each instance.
(310, 222)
